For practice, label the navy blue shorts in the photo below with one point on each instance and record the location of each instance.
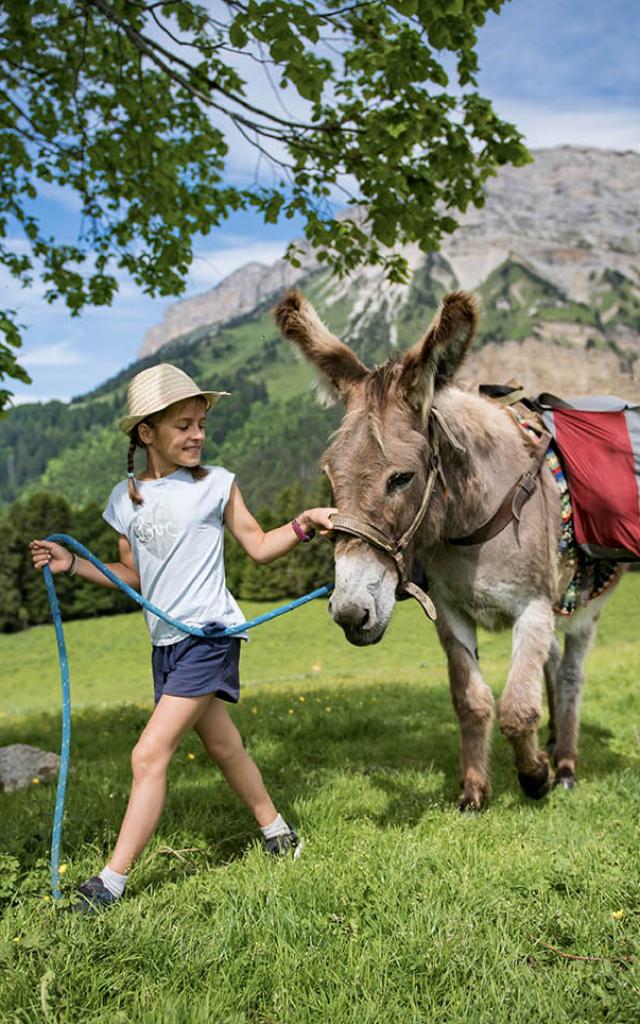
(198, 665)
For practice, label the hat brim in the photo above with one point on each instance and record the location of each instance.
(127, 424)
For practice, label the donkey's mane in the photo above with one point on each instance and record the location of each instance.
(380, 382)
(378, 404)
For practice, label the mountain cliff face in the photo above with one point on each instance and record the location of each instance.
(553, 254)
(239, 293)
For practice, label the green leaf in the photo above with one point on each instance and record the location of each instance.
(237, 35)
(396, 130)
(406, 7)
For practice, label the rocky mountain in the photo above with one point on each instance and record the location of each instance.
(554, 255)
(239, 293)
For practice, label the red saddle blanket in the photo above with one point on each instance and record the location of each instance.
(598, 440)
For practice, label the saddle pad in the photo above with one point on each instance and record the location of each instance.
(598, 439)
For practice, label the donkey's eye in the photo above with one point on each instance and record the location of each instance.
(397, 481)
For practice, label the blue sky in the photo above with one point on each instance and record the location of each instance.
(565, 71)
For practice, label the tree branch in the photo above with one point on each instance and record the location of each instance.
(329, 16)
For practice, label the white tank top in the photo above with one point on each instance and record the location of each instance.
(177, 540)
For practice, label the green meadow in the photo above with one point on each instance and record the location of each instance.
(400, 909)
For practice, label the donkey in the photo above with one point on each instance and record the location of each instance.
(418, 468)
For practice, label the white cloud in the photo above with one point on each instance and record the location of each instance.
(602, 127)
(63, 196)
(27, 398)
(59, 353)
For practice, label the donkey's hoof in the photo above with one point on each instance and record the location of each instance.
(469, 805)
(538, 784)
(472, 798)
(566, 778)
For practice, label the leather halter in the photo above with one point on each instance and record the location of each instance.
(508, 510)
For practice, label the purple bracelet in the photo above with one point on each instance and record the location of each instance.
(300, 533)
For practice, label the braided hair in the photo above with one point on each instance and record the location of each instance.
(134, 441)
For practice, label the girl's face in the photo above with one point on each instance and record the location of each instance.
(177, 439)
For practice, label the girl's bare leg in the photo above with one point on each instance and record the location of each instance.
(150, 759)
(223, 743)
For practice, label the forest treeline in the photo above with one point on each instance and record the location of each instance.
(23, 597)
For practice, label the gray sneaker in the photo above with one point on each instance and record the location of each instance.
(285, 843)
(93, 896)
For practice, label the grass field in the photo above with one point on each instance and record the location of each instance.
(400, 909)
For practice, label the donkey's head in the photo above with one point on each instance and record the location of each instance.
(378, 461)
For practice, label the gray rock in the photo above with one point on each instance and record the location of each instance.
(20, 764)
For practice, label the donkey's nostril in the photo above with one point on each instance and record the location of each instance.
(350, 615)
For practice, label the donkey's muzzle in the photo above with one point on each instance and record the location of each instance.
(355, 620)
(351, 615)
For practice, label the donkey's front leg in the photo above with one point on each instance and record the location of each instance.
(473, 702)
(520, 706)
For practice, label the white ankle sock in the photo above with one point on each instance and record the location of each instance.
(112, 881)
(278, 827)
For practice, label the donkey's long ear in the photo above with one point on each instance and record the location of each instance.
(339, 366)
(431, 363)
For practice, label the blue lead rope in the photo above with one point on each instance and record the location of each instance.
(70, 542)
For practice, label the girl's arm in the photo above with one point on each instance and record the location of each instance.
(265, 547)
(59, 559)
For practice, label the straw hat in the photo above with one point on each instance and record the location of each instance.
(156, 388)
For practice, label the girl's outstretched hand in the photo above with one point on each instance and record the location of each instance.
(317, 518)
(46, 552)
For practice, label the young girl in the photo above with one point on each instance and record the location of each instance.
(170, 522)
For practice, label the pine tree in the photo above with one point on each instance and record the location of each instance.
(12, 616)
(37, 516)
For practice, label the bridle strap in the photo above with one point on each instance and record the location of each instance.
(513, 502)
(362, 529)
(444, 427)
(411, 589)
(434, 472)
